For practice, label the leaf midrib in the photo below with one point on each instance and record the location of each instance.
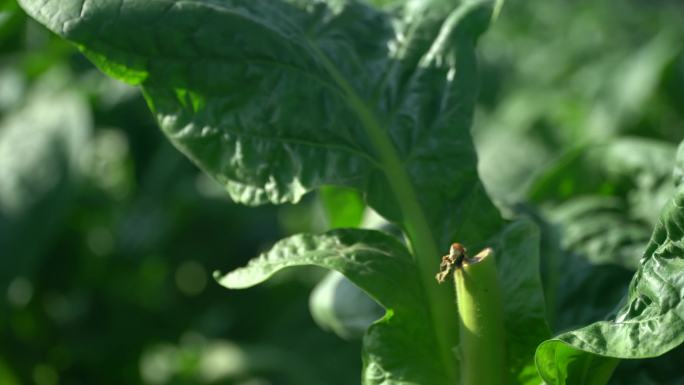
(423, 245)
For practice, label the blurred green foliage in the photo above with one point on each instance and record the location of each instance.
(108, 236)
(580, 117)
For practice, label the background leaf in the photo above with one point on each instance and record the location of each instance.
(605, 198)
(649, 323)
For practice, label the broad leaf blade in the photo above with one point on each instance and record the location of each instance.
(399, 348)
(286, 103)
(235, 105)
(648, 325)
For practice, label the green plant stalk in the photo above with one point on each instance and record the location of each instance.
(482, 339)
(423, 243)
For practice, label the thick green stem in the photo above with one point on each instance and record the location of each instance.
(482, 340)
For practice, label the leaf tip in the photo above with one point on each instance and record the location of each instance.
(225, 280)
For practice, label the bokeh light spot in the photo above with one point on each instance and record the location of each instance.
(191, 278)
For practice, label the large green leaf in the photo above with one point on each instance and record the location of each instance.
(648, 324)
(275, 98)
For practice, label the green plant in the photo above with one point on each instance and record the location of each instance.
(275, 99)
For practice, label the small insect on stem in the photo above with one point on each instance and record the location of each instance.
(452, 261)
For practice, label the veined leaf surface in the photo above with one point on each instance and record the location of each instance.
(275, 98)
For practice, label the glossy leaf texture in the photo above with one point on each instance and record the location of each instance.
(399, 348)
(649, 323)
(275, 98)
